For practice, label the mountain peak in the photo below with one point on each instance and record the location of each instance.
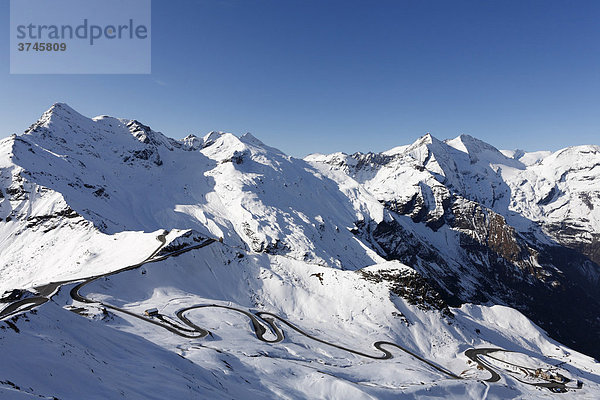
(427, 138)
(58, 118)
(211, 137)
(251, 139)
(425, 144)
(63, 111)
(62, 107)
(473, 146)
(59, 111)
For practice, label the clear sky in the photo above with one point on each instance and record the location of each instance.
(322, 76)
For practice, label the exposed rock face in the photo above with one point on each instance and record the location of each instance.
(187, 239)
(496, 264)
(410, 285)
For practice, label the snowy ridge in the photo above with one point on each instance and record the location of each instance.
(231, 187)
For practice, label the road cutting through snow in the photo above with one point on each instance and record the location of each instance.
(260, 319)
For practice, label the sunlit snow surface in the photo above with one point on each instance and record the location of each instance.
(104, 355)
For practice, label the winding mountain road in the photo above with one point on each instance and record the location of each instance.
(269, 319)
(259, 320)
(45, 292)
(473, 354)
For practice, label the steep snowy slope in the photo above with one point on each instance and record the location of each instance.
(123, 177)
(561, 192)
(274, 277)
(42, 238)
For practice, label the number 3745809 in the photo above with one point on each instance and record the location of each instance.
(41, 46)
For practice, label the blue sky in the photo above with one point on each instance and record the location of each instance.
(322, 76)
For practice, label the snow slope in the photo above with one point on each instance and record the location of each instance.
(139, 361)
(123, 177)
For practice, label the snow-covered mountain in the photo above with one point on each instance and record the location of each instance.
(346, 250)
(512, 228)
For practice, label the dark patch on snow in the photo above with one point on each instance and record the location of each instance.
(412, 287)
